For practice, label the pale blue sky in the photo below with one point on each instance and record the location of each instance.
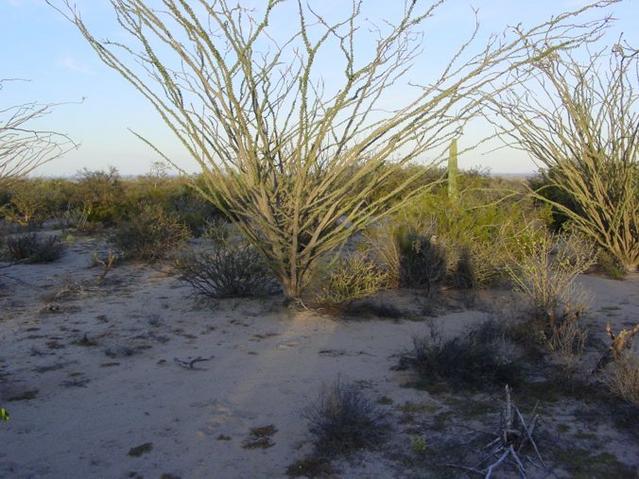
(39, 45)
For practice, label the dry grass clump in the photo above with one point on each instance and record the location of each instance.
(226, 271)
(149, 235)
(623, 379)
(31, 248)
(343, 420)
(351, 278)
(483, 357)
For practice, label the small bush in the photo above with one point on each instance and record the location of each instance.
(30, 248)
(623, 379)
(227, 271)
(422, 261)
(343, 420)
(463, 276)
(149, 235)
(352, 278)
(482, 357)
(566, 338)
(610, 266)
(545, 272)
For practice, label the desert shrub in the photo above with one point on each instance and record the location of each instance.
(30, 248)
(422, 262)
(482, 357)
(174, 195)
(100, 194)
(610, 265)
(149, 235)
(463, 276)
(343, 420)
(351, 278)
(30, 202)
(229, 270)
(566, 338)
(545, 274)
(623, 378)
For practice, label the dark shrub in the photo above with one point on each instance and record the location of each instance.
(342, 420)
(463, 277)
(149, 235)
(422, 262)
(483, 357)
(227, 271)
(30, 248)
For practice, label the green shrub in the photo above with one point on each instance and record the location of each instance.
(351, 278)
(149, 235)
(610, 266)
(487, 220)
(30, 248)
(227, 271)
(100, 194)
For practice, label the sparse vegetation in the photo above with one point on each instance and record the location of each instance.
(318, 189)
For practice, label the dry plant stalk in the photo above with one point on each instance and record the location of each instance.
(292, 161)
(23, 148)
(514, 435)
(620, 344)
(580, 121)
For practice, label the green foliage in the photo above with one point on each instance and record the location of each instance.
(31, 248)
(96, 198)
(4, 414)
(610, 266)
(149, 235)
(547, 188)
(100, 194)
(490, 217)
(351, 278)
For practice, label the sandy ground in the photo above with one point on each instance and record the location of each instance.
(90, 377)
